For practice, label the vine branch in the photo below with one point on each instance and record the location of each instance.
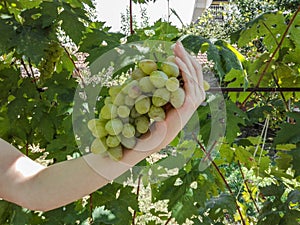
(77, 71)
(224, 180)
(273, 55)
(247, 187)
(137, 197)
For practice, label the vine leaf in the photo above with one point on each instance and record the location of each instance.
(218, 205)
(235, 118)
(295, 153)
(71, 24)
(289, 132)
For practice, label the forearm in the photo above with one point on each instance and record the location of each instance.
(59, 184)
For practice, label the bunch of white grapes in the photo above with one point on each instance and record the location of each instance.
(51, 57)
(132, 107)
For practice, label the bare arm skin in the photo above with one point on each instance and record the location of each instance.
(33, 186)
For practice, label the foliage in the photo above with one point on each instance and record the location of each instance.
(220, 21)
(254, 177)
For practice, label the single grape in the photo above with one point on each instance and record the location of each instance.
(114, 90)
(129, 101)
(147, 65)
(108, 111)
(142, 104)
(206, 85)
(128, 142)
(171, 58)
(99, 146)
(160, 97)
(170, 68)
(97, 127)
(158, 78)
(132, 89)
(107, 100)
(115, 153)
(128, 130)
(119, 99)
(123, 111)
(112, 141)
(142, 124)
(137, 74)
(114, 126)
(177, 98)
(172, 84)
(146, 85)
(157, 113)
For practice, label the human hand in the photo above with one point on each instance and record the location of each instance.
(163, 132)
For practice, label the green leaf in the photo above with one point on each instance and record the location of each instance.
(295, 153)
(219, 205)
(235, 118)
(102, 215)
(71, 23)
(289, 132)
(236, 78)
(194, 43)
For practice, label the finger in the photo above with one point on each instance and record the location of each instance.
(189, 81)
(198, 69)
(187, 78)
(184, 56)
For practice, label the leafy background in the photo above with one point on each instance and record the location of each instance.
(254, 179)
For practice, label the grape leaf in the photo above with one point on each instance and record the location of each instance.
(295, 153)
(194, 43)
(235, 118)
(71, 23)
(217, 206)
(289, 132)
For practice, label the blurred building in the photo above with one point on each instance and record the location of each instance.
(201, 5)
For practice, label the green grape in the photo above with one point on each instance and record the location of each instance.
(147, 66)
(107, 100)
(115, 153)
(129, 101)
(160, 97)
(170, 68)
(172, 84)
(112, 141)
(114, 91)
(52, 55)
(157, 113)
(158, 78)
(123, 111)
(132, 89)
(99, 146)
(177, 98)
(119, 99)
(128, 130)
(108, 111)
(146, 85)
(206, 85)
(142, 104)
(142, 124)
(97, 127)
(128, 142)
(114, 126)
(171, 58)
(133, 113)
(137, 74)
